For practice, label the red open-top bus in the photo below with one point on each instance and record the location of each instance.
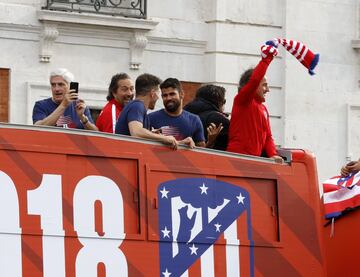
(82, 203)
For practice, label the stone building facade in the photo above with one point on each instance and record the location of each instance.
(201, 41)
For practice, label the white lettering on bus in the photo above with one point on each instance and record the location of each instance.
(46, 201)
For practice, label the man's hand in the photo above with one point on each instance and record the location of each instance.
(171, 141)
(277, 159)
(80, 107)
(188, 141)
(212, 132)
(268, 52)
(69, 97)
(351, 167)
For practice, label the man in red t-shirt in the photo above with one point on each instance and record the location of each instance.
(121, 91)
(249, 131)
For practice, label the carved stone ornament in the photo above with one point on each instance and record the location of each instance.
(48, 36)
(137, 45)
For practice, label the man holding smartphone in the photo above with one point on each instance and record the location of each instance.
(64, 108)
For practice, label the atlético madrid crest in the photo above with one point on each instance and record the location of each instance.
(193, 214)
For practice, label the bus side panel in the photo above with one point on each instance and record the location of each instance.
(78, 205)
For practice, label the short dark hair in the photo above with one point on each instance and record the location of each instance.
(145, 83)
(212, 93)
(171, 83)
(114, 84)
(245, 77)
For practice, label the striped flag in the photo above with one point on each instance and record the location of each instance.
(299, 50)
(340, 194)
(65, 121)
(172, 131)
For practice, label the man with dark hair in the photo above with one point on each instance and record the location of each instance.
(173, 120)
(120, 92)
(133, 120)
(250, 131)
(209, 106)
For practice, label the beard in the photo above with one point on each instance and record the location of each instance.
(172, 106)
(124, 100)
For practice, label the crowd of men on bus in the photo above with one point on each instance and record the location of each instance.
(200, 123)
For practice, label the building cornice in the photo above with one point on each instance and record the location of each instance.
(96, 19)
(52, 21)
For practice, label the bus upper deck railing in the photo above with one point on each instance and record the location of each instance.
(285, 153)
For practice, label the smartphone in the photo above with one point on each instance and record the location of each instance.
(74, 86)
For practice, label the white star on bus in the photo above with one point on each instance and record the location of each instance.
(166, 232)
(217, 226)
(193, 249)
(164, 193)
(166, 273)
(240, 199)
(203, 188)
